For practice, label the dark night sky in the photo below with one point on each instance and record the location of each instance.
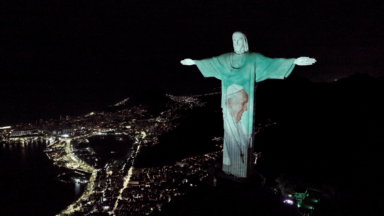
(132, 45)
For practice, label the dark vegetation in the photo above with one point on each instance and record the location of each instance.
(327, 137)
(109, 147)
(227, 199)
(192, 137)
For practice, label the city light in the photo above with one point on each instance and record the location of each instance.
(73, 158)
(64, 153)
(125, 184)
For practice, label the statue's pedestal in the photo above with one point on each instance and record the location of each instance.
(219, 173)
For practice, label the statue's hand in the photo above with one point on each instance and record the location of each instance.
(187, 62)
(304, 61)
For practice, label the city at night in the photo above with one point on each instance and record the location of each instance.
(128, 108)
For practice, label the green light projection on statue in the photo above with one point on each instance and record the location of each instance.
(238, 72)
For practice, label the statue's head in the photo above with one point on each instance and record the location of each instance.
(237, 100)
(240, 43)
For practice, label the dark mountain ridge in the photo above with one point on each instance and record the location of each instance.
(327, 135)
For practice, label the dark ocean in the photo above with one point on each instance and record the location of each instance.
(28, 183)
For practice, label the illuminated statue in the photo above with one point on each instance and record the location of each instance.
(238, 72)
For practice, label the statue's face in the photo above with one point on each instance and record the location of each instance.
(238, 43)
(238, 104)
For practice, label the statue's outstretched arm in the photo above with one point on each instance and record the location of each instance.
(304, 61)
(187, 62)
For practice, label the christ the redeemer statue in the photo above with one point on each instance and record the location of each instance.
(238, 72)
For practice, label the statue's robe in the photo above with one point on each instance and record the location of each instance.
(238, 153)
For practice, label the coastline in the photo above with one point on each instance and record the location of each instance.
(107, 187)
(76, 164)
